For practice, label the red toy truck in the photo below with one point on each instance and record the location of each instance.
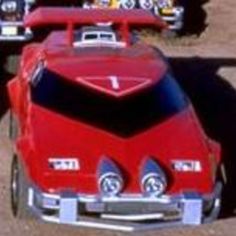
(106, 136)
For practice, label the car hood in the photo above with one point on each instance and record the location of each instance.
(178, 138)
(97, 68)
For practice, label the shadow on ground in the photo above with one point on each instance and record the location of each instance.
(8, 65)
(4, 77)
(215, 102)
(195, 16)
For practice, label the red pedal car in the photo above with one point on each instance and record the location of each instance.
(106, 136)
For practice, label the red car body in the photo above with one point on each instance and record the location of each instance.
(99, 126)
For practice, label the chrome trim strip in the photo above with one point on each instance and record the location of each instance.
(86, 222)
(120, 198)
(30, 197)
(15, 38)
(155, 216)
(11, 23)
(91, 224)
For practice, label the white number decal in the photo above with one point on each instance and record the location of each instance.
(114, 82)
(70, 164)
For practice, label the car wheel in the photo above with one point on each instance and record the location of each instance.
(19, 189)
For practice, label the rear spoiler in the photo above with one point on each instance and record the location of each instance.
(77, 16)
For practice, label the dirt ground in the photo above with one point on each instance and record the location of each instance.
(205, 65)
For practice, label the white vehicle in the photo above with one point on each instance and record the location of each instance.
(97, 35)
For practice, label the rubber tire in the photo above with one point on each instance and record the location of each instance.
(19, 190)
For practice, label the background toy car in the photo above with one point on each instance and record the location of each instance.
(12, 13)
(170, 11)
(106, 136)
(11, 20)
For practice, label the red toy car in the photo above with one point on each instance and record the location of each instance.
(106, 136)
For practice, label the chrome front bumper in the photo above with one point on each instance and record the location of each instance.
(14, 31)
(174, 18)
(125, 212)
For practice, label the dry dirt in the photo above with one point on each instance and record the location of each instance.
(205, 65)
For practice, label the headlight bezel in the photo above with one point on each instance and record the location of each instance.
(153, 175)
(109, 172)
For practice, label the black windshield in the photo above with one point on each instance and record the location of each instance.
(124, 117)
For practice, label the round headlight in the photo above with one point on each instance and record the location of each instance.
(153, 178)
(110, 184)
(153, 184)
(9, 6)
(110, 181)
